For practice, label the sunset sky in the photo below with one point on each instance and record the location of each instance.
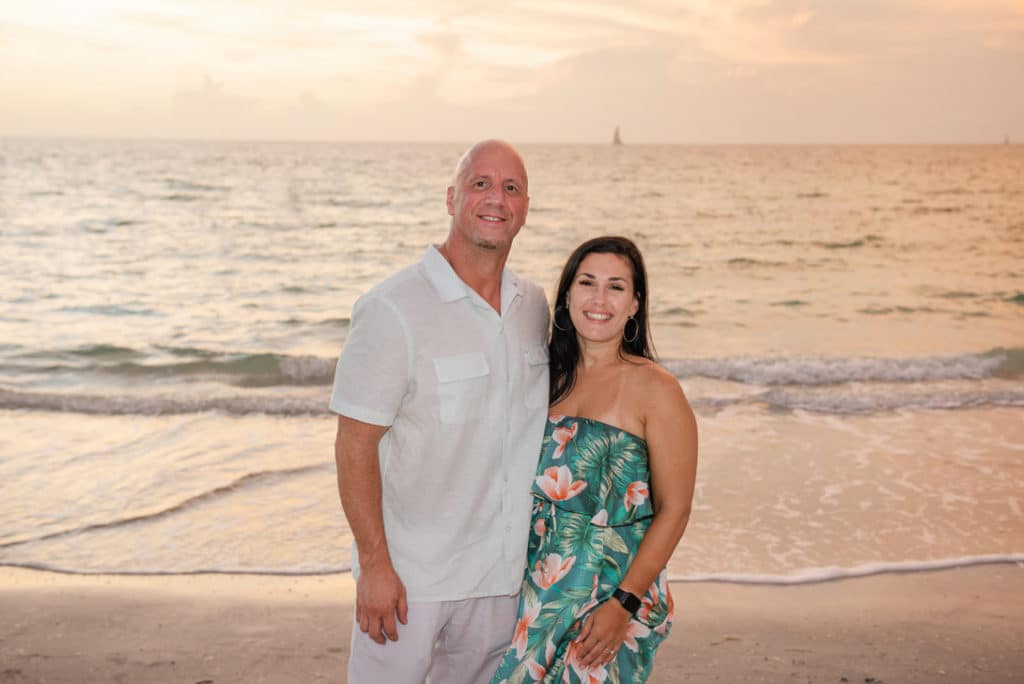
(530, 71)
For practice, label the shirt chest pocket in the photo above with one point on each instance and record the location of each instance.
(462, 381)
(535, 378)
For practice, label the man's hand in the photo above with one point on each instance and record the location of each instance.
(380, 597)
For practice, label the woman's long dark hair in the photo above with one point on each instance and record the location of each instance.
(564, 348)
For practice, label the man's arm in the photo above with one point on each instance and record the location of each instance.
(380, 594)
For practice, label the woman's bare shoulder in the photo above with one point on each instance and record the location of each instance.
(651, 385)
(652, 374)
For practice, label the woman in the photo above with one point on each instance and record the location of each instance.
(613, 487)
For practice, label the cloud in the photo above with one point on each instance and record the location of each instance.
(873, 29)
(729, 71)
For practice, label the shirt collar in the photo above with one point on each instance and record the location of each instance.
(451, 287)
(442, 276)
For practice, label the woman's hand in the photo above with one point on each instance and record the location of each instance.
(602, 634)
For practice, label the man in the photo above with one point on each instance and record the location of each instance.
(441, 391)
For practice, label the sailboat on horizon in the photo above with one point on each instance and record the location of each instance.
(616, 138)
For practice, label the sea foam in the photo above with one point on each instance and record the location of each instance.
(831, 573)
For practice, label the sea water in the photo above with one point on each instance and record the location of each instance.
(847, 321)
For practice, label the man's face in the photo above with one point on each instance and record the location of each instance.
(489, 200)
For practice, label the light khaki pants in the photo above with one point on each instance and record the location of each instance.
(446, 642)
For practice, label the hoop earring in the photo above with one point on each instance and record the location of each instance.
(554, 318)
(636, 331)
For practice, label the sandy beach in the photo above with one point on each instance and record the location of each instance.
(960, 625)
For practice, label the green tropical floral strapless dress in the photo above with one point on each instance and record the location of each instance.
(591, 509)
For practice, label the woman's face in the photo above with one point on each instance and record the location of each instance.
(601, 297)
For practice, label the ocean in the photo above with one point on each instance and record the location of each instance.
(847, 321)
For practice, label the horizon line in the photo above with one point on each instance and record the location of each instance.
(1005, 141)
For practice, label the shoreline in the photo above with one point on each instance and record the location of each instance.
(802, 577)
(959, 624)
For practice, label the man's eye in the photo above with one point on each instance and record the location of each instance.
(480, 184)
(512, 188)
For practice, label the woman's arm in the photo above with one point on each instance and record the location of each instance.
(671, 435)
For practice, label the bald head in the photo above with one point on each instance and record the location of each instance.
(466, 160)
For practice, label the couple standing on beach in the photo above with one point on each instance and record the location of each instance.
(448, 387)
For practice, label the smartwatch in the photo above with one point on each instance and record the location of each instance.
(629, 601)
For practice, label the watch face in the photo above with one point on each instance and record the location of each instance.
(629, 601)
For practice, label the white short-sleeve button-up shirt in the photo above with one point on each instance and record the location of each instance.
(465, 393)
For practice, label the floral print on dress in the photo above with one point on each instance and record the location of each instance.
(526, 619)
(558, 485)
(562, 435)
(553, 568)
(636, 494)
(591, 510)
(538, 671)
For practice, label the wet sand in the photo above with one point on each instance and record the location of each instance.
(960, 625)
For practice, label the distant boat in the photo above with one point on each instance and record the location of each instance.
(1006, 138)
(616, 139)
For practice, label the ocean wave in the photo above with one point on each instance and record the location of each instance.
(832, 573)
(886, 310)
(848, 399)
(196, 352)
(870, 398)
(340, 322)
(746, 262)
(312, 569)
(831, 385)
(798, 577)
(816, 371)
(182, 184)
(128, 405)
(356, 203)
(938, 210)
(109, 310)
(242, 370)
(869, 239)
(97, 351)
(247, 480)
